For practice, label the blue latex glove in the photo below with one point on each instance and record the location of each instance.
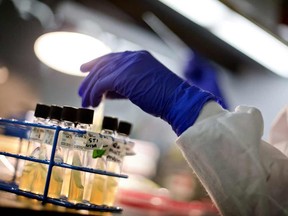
(137, 75)
(203, 74)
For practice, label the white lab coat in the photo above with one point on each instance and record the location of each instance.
(243, 174)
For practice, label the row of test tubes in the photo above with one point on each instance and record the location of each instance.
(101, 150)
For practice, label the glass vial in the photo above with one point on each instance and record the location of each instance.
(114, 161)
(123, 136)
(58, 118)
(77, 180)
(34, 174)
(65, 141)
(52, 120)
(123, 133)
(98, 190)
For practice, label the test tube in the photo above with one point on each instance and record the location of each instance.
(114, 161)
(68, 120)
(98, 191)
(77, 180)
(34, 174)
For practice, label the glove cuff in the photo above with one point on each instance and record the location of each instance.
(185, 105)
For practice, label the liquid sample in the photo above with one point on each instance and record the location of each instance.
(56, 182)
(111, 186)
(34, 174)
(98, 185)
(98, 189)
(67, 176)
(76, 186)
(111, 190)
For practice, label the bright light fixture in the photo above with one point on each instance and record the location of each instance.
(237, 31)
(66, 51)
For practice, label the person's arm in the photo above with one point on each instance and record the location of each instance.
(242, 174)
(147, 83)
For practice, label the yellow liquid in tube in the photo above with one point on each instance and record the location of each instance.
(111, 186)
(34, 174)
(27, 175)
(40, 174)
(56, 182)
(98, 185)
(114, 164)
(56, 179)
(77, 180)
(111, 190)
(98, 189)
(26, 178)
(76, 187)
(33, 177)
(67, 175)
(66, 183)
(94, 188)
(88, 187)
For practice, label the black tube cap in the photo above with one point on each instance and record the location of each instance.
(110, 123)
(85, 116)
(124, 127)
(69, 114)
(42, 110)
(55, 112)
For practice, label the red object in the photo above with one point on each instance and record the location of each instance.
(163, 203)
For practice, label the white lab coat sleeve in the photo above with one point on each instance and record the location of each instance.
(242, 174)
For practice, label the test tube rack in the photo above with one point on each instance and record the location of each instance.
(12, 186)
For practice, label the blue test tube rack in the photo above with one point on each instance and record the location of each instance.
(12, 186)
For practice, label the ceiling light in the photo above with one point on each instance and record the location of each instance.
(236, 30)
(66, 51)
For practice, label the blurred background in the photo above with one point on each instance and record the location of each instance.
(235, 49)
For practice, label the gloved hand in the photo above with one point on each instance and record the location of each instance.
(137, 75)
